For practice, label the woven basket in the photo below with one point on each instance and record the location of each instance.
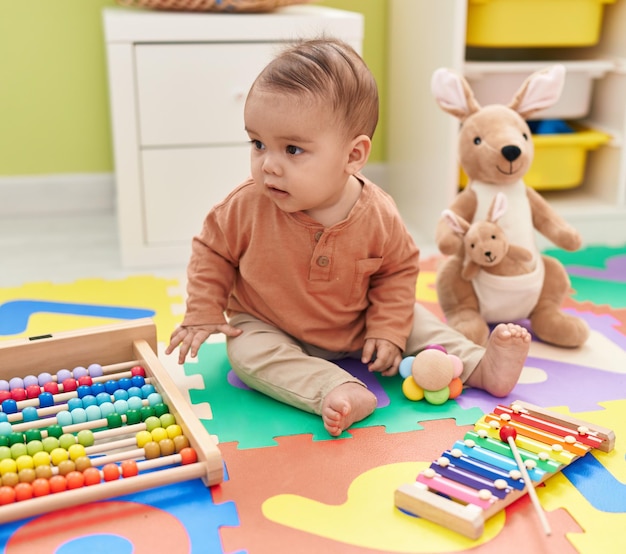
(211, 5)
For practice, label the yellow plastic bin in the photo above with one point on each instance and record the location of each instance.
(534, 23)
(560, 159)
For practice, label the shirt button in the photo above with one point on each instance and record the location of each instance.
(318, 235)
(323, 261)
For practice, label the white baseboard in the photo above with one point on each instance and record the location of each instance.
(57, 194)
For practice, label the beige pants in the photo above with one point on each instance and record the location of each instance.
(274, 363)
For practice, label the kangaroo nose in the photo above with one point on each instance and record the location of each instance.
(511, 153)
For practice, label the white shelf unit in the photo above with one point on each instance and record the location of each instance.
(422, 139)
(178, 83)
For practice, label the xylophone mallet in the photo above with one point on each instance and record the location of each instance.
(508, 435)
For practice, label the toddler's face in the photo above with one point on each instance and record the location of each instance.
(299, 151)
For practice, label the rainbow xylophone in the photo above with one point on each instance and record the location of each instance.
(478, 477)
(98, 430)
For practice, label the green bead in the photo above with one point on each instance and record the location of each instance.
(55, 431)
(4, 440)
(66, 440)
(18, 449)
(16, 438)
(32, 435)
(160, 409)
(167, 420)
(146, 412)
(132, 417)
(437, 397)
(50, 443)
(152, 422)
(114, 421)
(34, 446)
(5, 452)
(85, 437)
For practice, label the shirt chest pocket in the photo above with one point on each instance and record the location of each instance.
(363, 271)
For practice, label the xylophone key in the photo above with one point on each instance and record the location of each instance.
(444, 467)
(482, 468)
(433, 480)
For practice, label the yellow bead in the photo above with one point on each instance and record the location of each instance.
(59, 455)
(158, 434)
(76, 451)
(8, 465)
(41, 458)
(174, 431)
(142, 438)
(411, 389)
(24, 462)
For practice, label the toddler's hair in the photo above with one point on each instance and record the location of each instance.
(331, 71)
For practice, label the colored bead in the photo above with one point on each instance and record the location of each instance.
(29, 413)
(129, 468)
(111, 386)
(79, 415)
(76, 451)
(152, 423)
(41, 487)
(10, 478)
(64, 418)
(41, 458)
(46, 399)
(43, 471)
(92, 476)
(58, 455)
(174, 431)
(437, 397)
(167, 420)
(34, 446)
(52, 387)
(95, 370)
(160, 409)
(18, 394)
(18, 449)
(66, 440)
(5, 427)
(55, 431)
(4, 385)
(5, 452)
(82, 463)
(138, 370)
(121, 406)
(114, 421)
(134, 392)
(66, 466)
(133, 416)
(158, 434)
(188, 456)
(154, 399)
(142, 438)
(412, 390)
(146, 412)
(16, 438)
(85, 437)
(74, 403)
(26, 475)
(7, 465)
(180, 442)
(69, 385)
(23, 491)
(58, 483)
(33, 391)
(9, 406)
(24, 461)
(4, 395)
(83, 390)
(85, 380)
(75, 480)
(4, 440)
(16, 383)
(7, 495)
(120, 394)
(79, 372)
(151, 450)
(93, 413)
(50, 443)
(135, 403)
(44, 378)
(167, 447)
(138, 381)
(110, 472)
(89, 400)
(124, 383)
(147, 390)
(63, 374)
(107, 409)
(103, 397)
(30, 380)
(97, 388)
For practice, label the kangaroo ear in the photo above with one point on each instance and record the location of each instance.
(540, 91)
(498, 207)
(453, 94)
(456, 222)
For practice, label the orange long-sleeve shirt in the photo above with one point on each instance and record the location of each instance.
(329, 287)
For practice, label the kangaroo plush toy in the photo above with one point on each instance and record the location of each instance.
(495, 150)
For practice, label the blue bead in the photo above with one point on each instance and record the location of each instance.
(79, 415)
(29, 413)
(120, 394)
(5, 428)
(103, 397)
(111, 386)
(97, 388)
(74, 403)
(147, 390)
(107, 408)
(9, 406)
(405, 366)
(89, 400)
(134, 391)
(138, 381)
(64, 418)
(93, 412)
(124, 383)
(46, 399)
(3, 417)
(83, 390)
(121, 406)
(155, 398)
(135, 403)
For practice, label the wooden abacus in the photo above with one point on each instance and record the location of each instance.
(116, 348)
(479, 477)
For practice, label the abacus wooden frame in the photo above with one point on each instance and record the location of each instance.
(106, 345)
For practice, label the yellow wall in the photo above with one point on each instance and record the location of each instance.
(54, 115)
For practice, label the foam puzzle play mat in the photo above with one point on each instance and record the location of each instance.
(86, 392)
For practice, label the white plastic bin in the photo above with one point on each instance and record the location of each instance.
(497, 82)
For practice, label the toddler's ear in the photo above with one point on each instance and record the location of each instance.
(359, 154)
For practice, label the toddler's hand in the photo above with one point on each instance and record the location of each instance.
(190, 338)
(388, 356)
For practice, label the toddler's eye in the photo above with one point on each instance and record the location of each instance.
(294, 150)
(257, 144)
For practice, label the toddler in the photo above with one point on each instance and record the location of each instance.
(310, 261)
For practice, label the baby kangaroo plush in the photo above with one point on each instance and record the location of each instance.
(485, 246)
(495, 150)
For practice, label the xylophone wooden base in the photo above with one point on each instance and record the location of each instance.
(109, 345)
(469, 519)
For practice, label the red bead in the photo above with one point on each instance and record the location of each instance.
(23, 491)
(18, 394)
(33, 391)
(138, 370)
(7, 495)
(111, 472)
(52, 387)
(129, 468)
(506, 432)
(4, 395)
(69, 385)
(92, 476)
(58, 483)
(75, 480)
(41, 487)
(85, 380)
(188, 456)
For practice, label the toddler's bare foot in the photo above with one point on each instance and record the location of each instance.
(345, 405)
(499, 369)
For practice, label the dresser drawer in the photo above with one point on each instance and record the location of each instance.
(195, 93)
(181, 185)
